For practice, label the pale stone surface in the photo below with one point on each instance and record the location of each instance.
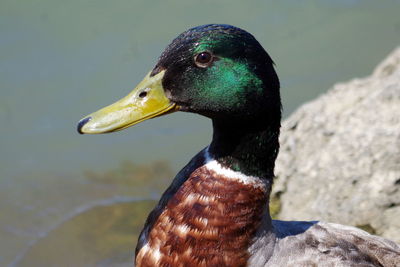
(340, 155)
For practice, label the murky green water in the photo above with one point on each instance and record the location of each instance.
(60, 60)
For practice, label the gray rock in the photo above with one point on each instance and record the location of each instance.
(340, 155)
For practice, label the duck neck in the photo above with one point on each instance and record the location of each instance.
(216, 210)
(249, 147)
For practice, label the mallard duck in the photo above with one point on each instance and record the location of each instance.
(216, 211)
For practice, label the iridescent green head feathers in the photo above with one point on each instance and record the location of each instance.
(220, 71)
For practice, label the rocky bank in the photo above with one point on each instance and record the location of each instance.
(340, 155)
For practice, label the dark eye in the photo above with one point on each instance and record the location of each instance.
(203, 59)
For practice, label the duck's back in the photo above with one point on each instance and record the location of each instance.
(326, 244)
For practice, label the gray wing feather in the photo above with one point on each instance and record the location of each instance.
(325, 244)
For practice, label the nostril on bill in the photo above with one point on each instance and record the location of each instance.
(82, 123)
(143, 94)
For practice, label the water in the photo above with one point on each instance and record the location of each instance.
(60, 60)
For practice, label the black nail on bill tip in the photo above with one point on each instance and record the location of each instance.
(81, 123)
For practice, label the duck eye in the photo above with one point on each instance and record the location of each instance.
(203, 59)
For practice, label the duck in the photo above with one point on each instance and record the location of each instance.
(216, 210)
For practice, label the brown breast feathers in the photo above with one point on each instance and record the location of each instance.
(210, 221)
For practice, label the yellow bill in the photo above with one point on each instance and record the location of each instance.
(146, 101)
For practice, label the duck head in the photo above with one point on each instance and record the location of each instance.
(215, 70)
